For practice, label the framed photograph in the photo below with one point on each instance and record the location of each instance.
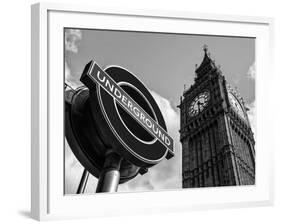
(148, 111)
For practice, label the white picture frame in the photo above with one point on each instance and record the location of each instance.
(48, 201)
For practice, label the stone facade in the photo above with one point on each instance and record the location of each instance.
(217, 143)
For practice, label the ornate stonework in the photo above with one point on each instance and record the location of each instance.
(217, 140)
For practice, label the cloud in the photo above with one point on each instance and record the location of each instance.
(72, 36)
(71, 79)
(73, 171)
(67, 72)
(252, 71)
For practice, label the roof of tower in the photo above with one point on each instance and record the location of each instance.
(206, 64)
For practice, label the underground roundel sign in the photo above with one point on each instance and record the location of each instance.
(137, 128)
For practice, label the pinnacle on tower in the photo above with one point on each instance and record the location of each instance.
(206, 65)
(205, 48)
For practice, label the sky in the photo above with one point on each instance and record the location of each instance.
(166, 65)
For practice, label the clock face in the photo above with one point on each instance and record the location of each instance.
(199, 103)
(236, 105)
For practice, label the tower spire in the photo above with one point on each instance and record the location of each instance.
(205, 48)
(206, 65)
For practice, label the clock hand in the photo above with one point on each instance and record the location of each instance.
(198, 104)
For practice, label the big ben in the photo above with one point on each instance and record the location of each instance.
(215, 132)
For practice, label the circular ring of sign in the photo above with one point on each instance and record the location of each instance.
(137, 145)
(132, 126)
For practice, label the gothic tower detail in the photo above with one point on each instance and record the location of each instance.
(217, 140)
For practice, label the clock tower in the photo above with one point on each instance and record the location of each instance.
(217, 140)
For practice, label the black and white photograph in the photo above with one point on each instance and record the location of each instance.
(140, 112)
(149, 111)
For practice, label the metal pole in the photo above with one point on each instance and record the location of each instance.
(110, 175)
(83, 182)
